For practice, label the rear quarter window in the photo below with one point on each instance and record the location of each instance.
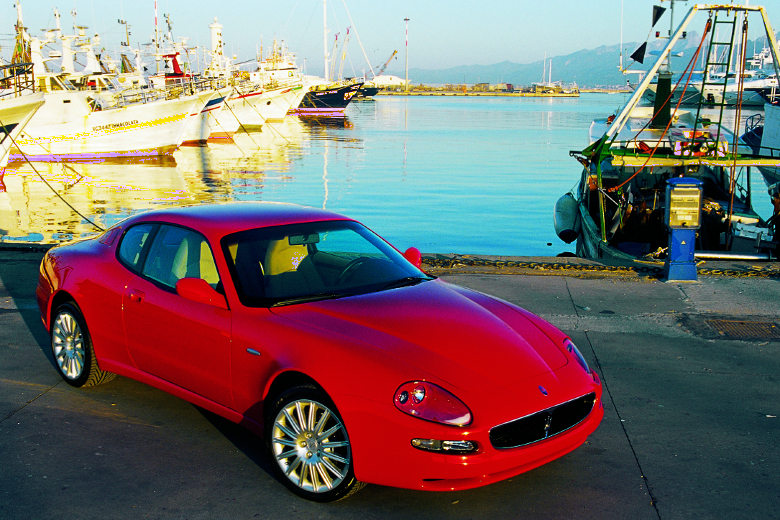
(131, 247)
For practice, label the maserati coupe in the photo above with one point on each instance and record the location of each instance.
(350, 362)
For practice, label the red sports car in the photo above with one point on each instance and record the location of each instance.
(352, 363)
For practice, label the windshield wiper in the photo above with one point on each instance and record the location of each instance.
(404, 282)
(308, 298)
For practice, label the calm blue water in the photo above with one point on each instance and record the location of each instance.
(469, 175)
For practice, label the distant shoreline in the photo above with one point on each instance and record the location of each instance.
(470, 93)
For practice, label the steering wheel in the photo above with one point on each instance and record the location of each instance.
(350, 269)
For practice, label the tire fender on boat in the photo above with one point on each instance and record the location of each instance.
(567, 218)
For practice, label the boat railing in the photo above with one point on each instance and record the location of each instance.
(134, 95)
(17, 78)
(753, 122)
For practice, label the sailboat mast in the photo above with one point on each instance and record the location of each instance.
(621, 36)
(325, 34)
(21, 52)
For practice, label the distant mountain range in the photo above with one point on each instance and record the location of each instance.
(588, 68)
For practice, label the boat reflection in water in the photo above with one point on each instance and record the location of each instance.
(50, 202)
(327, 121)
(104, 192)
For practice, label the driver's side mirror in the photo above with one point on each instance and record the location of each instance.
(198, 290)
(414, 256)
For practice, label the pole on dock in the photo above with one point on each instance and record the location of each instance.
(406, 66)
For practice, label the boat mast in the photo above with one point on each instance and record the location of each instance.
(354, 28)
(21, 52)
(156, 39)
(770, 33)
(549, 73)
(325, 34)
(621, 119)
(621, 37)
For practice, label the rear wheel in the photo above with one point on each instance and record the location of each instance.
(309, 445)
(71, 346)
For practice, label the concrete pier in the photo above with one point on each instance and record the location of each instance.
(692, 399)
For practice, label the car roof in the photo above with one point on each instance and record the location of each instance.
(220, 219)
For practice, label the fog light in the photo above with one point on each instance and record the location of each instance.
(438, 446)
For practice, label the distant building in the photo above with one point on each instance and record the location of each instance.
(386, 80)
(502, 87)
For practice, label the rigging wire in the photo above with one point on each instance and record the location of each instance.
(359, 42)
(740, 88)
(48, 185)
(689, 71)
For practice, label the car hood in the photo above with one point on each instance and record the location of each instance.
(439, 330)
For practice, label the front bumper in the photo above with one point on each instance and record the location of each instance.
(388, 458)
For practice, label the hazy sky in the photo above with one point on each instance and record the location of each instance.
(442, 33)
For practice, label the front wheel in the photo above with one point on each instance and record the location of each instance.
(309, 445)
(72, 348)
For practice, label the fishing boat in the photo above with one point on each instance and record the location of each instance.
(267, 94)
(756, 89)
(549, 88)
(255, 98)
(251, 105)
(18, 104)
(88, 114)
(763, 135)
(83, 125)
(85, 115)
(617, 211)
(328, 99)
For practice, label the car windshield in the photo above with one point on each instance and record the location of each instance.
(282, 265)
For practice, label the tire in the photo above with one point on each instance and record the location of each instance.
(71, 346)
(309, 446)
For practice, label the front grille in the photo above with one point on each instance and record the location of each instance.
(542, 425)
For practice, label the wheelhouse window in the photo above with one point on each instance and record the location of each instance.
(304, 262)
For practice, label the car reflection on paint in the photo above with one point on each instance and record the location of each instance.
(303, 325)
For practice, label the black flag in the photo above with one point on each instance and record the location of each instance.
(639, 53)
(657, 13)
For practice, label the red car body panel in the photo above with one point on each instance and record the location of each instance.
(503, 362)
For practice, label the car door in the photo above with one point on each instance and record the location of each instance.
(181, 341)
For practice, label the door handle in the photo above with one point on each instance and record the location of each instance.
(135, 296)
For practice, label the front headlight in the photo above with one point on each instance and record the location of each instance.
(431, 402)
(572, 349)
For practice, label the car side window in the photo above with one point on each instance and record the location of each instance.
(178, 253)
(132, 246)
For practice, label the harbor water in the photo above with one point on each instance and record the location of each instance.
(447, 174)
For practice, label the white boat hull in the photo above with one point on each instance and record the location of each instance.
(770, 142)
(253, 109)
(15, 113)
(198, 129)
(67, 127)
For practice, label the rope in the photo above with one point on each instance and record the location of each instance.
(735, 144)
(651, 268)
(689, 71)
(34, 169)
